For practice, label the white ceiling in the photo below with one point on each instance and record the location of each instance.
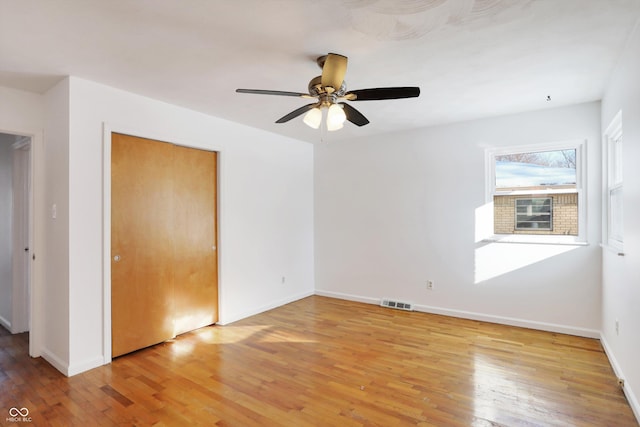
(471, 58)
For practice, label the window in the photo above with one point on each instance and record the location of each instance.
(536, 192)
(613, 153)
(533, 214)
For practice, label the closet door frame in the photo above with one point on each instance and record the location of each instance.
(107, 130)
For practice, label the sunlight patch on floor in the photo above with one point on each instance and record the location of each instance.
(229, 334)
(259, 333)
(181, 348)
(282, 336)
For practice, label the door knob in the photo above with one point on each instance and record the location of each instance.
(116, 258)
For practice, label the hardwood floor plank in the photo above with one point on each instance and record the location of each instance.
(326, 362)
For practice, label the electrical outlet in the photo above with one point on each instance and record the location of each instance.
(284, 279)
(430, 285)
(617, 327)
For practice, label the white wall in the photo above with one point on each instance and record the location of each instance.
(395, 210)
(265, 219)
(53, 317)
(6, 241)
(621, 275)
(20, 111)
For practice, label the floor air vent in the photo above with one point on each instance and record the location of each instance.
(397, 304)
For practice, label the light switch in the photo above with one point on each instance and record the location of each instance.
(54, 211)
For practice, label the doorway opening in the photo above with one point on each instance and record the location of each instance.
(15, 232)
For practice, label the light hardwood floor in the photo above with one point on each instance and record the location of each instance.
(327, 362)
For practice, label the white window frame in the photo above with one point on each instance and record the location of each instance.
(613, 177)
(581, 173)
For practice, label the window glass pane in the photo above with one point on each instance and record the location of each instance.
(536, 169)
(533, 213)
(616, 161)
(541, 225)
(540, 209)
(614, 183)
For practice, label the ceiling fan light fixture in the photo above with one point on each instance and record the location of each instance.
(330, 90)
(335, 117)
(313, 118)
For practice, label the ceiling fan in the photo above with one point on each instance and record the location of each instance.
(329, 90)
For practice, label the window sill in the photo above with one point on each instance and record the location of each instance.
(536, 239)
(499, 192)
(618, 251)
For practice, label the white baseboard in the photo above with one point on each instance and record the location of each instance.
(71, 369)
(348, 297)
(230, 319)
(4, 322)
(77, 368)
(628, 391)
(549, 327)
(511, 321)
(55, 361)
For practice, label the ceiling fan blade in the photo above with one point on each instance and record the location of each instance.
(296, 113)
(353, 115)
(382, 93)
(274, 92)
(334, 70)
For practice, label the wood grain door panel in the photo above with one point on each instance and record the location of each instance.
(196, 290)
(163, 241)
(141, 243)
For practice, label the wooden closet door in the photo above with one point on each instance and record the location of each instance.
(196, 272)
(163, 241)
(142, 232)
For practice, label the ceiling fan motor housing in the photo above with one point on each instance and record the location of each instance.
(316, 89)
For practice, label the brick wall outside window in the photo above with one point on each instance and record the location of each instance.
(565, 214)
